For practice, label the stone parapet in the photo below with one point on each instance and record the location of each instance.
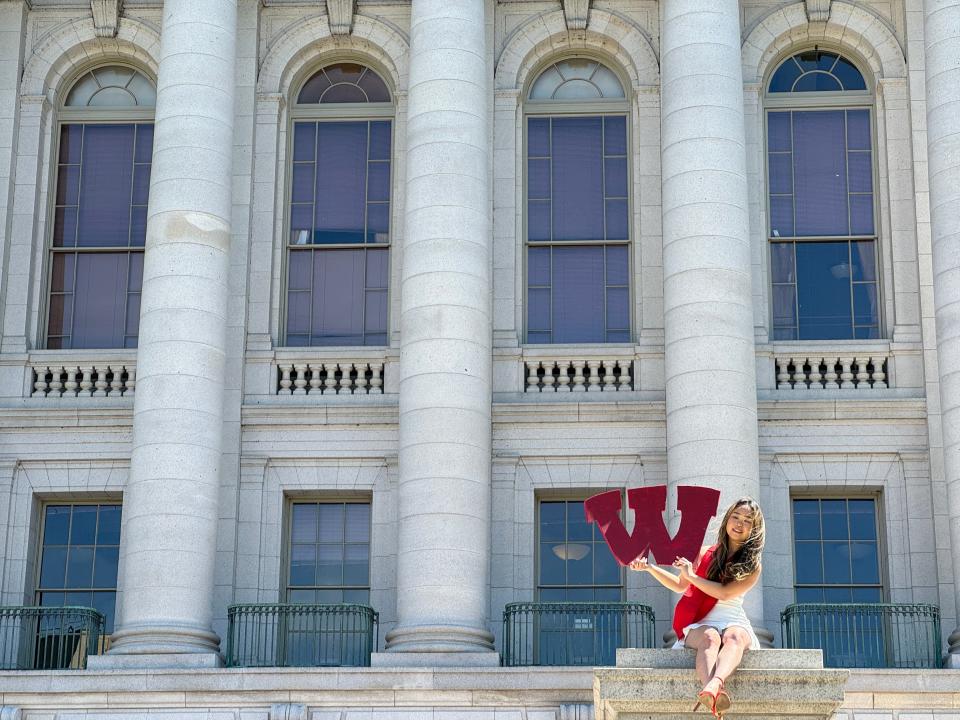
(771, 684)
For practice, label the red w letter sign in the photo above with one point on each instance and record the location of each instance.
(696, 505)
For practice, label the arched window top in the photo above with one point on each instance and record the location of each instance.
(576, 79)
(816, 71)
(344, 83)
(112, 86)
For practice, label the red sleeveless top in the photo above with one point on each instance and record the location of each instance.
(694, 604)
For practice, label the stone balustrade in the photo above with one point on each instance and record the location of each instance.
(63, 378)
(832, 371)
(339, 377)
(590, 374)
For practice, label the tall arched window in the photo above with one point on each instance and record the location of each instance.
(339, 213)
(104, 148)
(823, 238)
(577, 205)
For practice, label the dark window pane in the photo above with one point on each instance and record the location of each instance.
(784, 333)
(299, 267)
(71, 141)
(781, 173)
(553, 517)
(861, 215)
(806, 526)
(141, 184)
(361, 597)
(303, 564)
(781, 263)
(867, 595)
(108, 525)
(105, 567)
(577, 179)
(65, 227)
(76, 598)
(538, 266)
(68, 184)
(866, 563)
(357, 520)
(56, 524)
(304, 141)
(836, 562)
(538, 314)
(538, 179)
(144, 144)
(378, 267)
(860, 169)
(578, 294)
(61, 278)
(329, 564)
(858, 130)
(58, 323)
(538, 220)
(138, 226)
(864, 263)
(577, 526)
(53, 567)
(331, 522)
(301, 596)
(338, 297)
(781, 217)
(298, 312)
(785, 76)
(301, 188)
(374, 87)
(105, 185)
(303, 525)
(579, 568)
(356, 564)
(817, 82)
(106, 603)
(823, 290)
(606, 569)
(865, 308)
(378, 222)
(820, 173)
(617, 220)
(848, 74)
(807, 559)
(618, 308)
(538, 137)
(835, 525)
(80, 567)
(615, 135)
(380, 140)
(779, 133)
(618, 265)
(375, 317)
(99, 318)
(809, 595)
(539, 337)
(378, 181)
(342, 93)
(83, 530)
(313, 88)
(341, 182)
(836, 594)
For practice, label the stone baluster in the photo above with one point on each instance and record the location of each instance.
(345, 380)
(549, 379)
(609, 381)
(578, 377)
(863, 375)
(171, 498)
(879, 377)
(360, 385)
(376, 378)
(593, 376)
(131, 382)
(86, 381)
(330, 381)
(563, 379)
(533, 379)
(300, 379)
(71, 385)
(315, 382)
(816, 377)
(783, 373)
(116, 381)
(625, 383)
(831, 376)
(846, 373)
(799, 374)
(40, 384)
(56, 382)
(101, 383)
(285, 382)
(941, 43)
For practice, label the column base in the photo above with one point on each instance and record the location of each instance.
(184, 661)
(438, 639)
(435, 659)
(952, 661)
(161, 639)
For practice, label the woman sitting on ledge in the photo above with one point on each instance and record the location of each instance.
(709, 618)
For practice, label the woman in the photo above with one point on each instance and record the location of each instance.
(710, 617)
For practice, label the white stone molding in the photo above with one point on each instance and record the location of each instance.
(576, 711)
(10, 712)
(58, 53)
(106, 16)
(818, 10)
(288, 711)
(299, 47)
(334, 377)
(54, 379)
(340, 16)
(576, 13)
(852, 28)
(824, 366)
(529, 46)
(583, 372)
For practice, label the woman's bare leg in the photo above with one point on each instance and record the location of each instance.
(734, 642)
(706, 641)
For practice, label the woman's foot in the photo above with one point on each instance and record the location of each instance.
(714, 697)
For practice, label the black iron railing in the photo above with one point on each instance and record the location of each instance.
(868, 635)
(292, 635)
(573, 633)
(48, 638)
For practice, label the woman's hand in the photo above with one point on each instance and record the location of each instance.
(640, 564)
(685, 567)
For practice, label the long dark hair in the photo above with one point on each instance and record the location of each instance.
(726, 567)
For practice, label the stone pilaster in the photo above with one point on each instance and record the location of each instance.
(942, 51)
(711, 397)
(170, 503)
(446, 336)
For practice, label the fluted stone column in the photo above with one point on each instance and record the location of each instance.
(445, 357)
(170, 503)
(711, 395)
(941, 41)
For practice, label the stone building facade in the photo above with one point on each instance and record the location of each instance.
(436, 269)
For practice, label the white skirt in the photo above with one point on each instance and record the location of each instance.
(722, 616)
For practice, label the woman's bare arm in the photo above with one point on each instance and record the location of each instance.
(717, 590)
(664, 577)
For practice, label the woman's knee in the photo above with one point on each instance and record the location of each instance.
(737, 636)
(711, 639)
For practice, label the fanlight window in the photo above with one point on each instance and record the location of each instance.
(104, 154)
(821, 197)
(113, 86)
(577, 79)
(817, 71)
(338, 236)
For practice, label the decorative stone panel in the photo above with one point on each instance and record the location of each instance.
(818, 10)
(106, 16)
(288, 711)
(577, 13)
(340, 13)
